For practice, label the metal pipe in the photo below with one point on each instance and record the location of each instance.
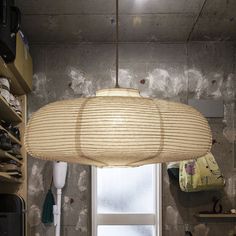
(58, 214)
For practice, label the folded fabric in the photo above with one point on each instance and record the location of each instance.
(15, 149)
(5, 94)
(200, 175)
(5, 141)
(11, 128)
(5, 89)
(15, 104)
(18, 106)
(4, 83)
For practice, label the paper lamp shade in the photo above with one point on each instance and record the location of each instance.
(117, 128)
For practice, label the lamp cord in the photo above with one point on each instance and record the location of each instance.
(117, 44)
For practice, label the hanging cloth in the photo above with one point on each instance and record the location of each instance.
(47, 215)
(201, 174)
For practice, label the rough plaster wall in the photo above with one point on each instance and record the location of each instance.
(211, 64)
(170, 71)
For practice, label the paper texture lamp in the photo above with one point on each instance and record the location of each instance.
(117, 128)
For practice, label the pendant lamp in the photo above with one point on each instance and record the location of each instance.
(118, 127)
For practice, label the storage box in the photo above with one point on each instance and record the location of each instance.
(22, 67)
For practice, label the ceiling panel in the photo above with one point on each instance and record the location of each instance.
(68, 28)
(220, 8)
(100, 28)
(217, 21)
(156, 28)
(160, 6)
(214, 29)
(77, 7)
(140, 20)
(66, 7)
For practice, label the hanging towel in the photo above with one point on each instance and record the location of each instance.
(47, 215)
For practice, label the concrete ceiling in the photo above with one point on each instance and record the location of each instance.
(140, 20)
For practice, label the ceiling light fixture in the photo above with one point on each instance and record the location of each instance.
(118, 127)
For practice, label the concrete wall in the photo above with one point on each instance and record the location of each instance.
(170, 71)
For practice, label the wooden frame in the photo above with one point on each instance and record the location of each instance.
(129, 219)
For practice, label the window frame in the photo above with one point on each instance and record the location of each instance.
(129, 219)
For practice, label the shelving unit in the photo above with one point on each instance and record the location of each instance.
(6, 155)
(222, 215)
(5, 177)
(9, 183)
(6, 72)
(12, 137)
(7, 113)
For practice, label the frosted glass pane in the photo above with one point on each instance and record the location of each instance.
(126, 190)
(127, 230)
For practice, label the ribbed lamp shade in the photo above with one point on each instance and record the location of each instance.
(117, 128)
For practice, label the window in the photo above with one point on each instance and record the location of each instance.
(126, 201)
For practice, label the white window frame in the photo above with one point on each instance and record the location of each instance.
(129, 219)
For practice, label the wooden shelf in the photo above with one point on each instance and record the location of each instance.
(7, 113)
(222, 215)
(14, 84)
(6, 155)
(9, 183)
(12, 137)
(4, 70)
(5, 177)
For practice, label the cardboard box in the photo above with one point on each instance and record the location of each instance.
(22, 67)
